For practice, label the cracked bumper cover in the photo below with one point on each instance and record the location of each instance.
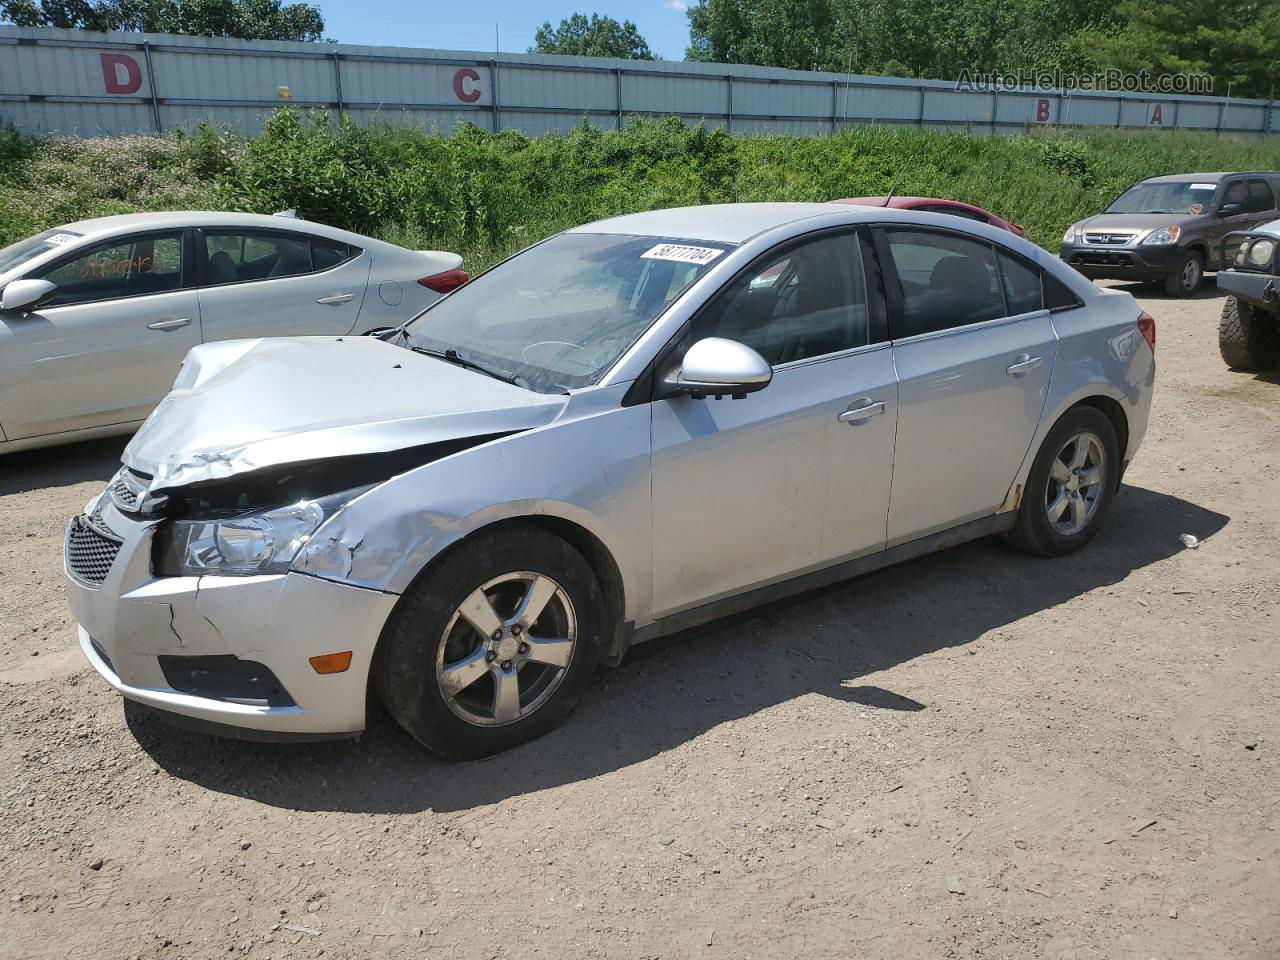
(280, 620)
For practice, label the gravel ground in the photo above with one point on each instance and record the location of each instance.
(977, 754)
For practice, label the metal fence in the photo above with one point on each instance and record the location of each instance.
(94, 84)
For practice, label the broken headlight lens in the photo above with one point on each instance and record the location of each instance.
(265, 541)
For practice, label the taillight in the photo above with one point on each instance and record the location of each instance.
(444, 282)
(1147, 327)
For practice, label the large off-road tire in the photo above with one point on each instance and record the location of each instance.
(1187, 274)
(493, 645)
(1248, 337)
(1071, 484)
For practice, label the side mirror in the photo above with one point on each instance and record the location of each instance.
(26, 294)
(1230, 209)
(716, 367)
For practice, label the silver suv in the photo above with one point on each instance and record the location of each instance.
(1168, 229)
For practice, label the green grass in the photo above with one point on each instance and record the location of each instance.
(487, 195)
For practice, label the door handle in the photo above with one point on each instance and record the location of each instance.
(862, 410)
(169, 323)
(335, 298)
(1024, 364)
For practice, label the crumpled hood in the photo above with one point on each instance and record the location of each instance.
(242, 405)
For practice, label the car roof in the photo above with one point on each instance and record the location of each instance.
(175, 219)
(716, 222)
(737, 223)
(1214, 177)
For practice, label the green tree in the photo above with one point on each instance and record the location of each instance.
(244, 19)
(774, 33)
(596, 37)
(1237, 42)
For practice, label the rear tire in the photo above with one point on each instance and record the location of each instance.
(1186, 276)
(1061, 510)
(1248, 337)
(467, 693)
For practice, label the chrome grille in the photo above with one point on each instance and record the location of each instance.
(90, 552)
(122, 496)
(128, 491)
(1110, 239)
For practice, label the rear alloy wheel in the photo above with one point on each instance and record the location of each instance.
(1185, 279)
(1248, 338)
(493, 645)
(1070, 486)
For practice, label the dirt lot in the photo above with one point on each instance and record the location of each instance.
(979, 754)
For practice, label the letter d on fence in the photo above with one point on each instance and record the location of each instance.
(111, 79)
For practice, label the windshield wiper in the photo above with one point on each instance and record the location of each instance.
(457, 359)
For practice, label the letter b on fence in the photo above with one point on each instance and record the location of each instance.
(120, 73)
(1042, 110)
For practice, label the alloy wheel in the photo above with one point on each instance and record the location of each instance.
(506, 648)
(1076, 482)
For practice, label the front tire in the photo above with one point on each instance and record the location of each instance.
(1071, 484)
(1248, 338)
(1186, 277)
(493, 645)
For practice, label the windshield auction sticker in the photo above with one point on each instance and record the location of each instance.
(1204, 186)
(61, 238)
(674, 251)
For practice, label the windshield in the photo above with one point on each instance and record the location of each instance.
(560, 314)
(19, 253)
(1186, 197)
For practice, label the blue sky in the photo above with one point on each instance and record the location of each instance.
(469, 25)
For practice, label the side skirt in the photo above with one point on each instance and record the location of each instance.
(845, 570)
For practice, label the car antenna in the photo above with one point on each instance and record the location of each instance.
(892, 191)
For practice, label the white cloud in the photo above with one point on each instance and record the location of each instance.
(679, 5)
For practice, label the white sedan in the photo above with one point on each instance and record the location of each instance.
(96, 316)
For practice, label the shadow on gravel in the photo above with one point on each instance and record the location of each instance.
(675, 690)
(1155, 291)
(63, 466)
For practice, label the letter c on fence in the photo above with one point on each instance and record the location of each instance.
(460, 85)
(111, 64)
(1042, 110)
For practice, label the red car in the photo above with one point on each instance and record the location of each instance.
(934, 205)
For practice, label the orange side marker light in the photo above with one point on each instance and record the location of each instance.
(331, 662)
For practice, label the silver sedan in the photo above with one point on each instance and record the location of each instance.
(628, 429)
(96, 316)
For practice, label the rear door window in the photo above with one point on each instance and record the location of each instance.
(239, 256)
(330, 253)
(135, 267)
(1022, 288)
(1261, 198)
(946, 281)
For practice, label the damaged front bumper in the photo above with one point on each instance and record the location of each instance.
(225, 651)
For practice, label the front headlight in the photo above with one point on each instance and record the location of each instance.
(1070, 235)
(1258, 253)
(1164, 235)
(248, 544)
